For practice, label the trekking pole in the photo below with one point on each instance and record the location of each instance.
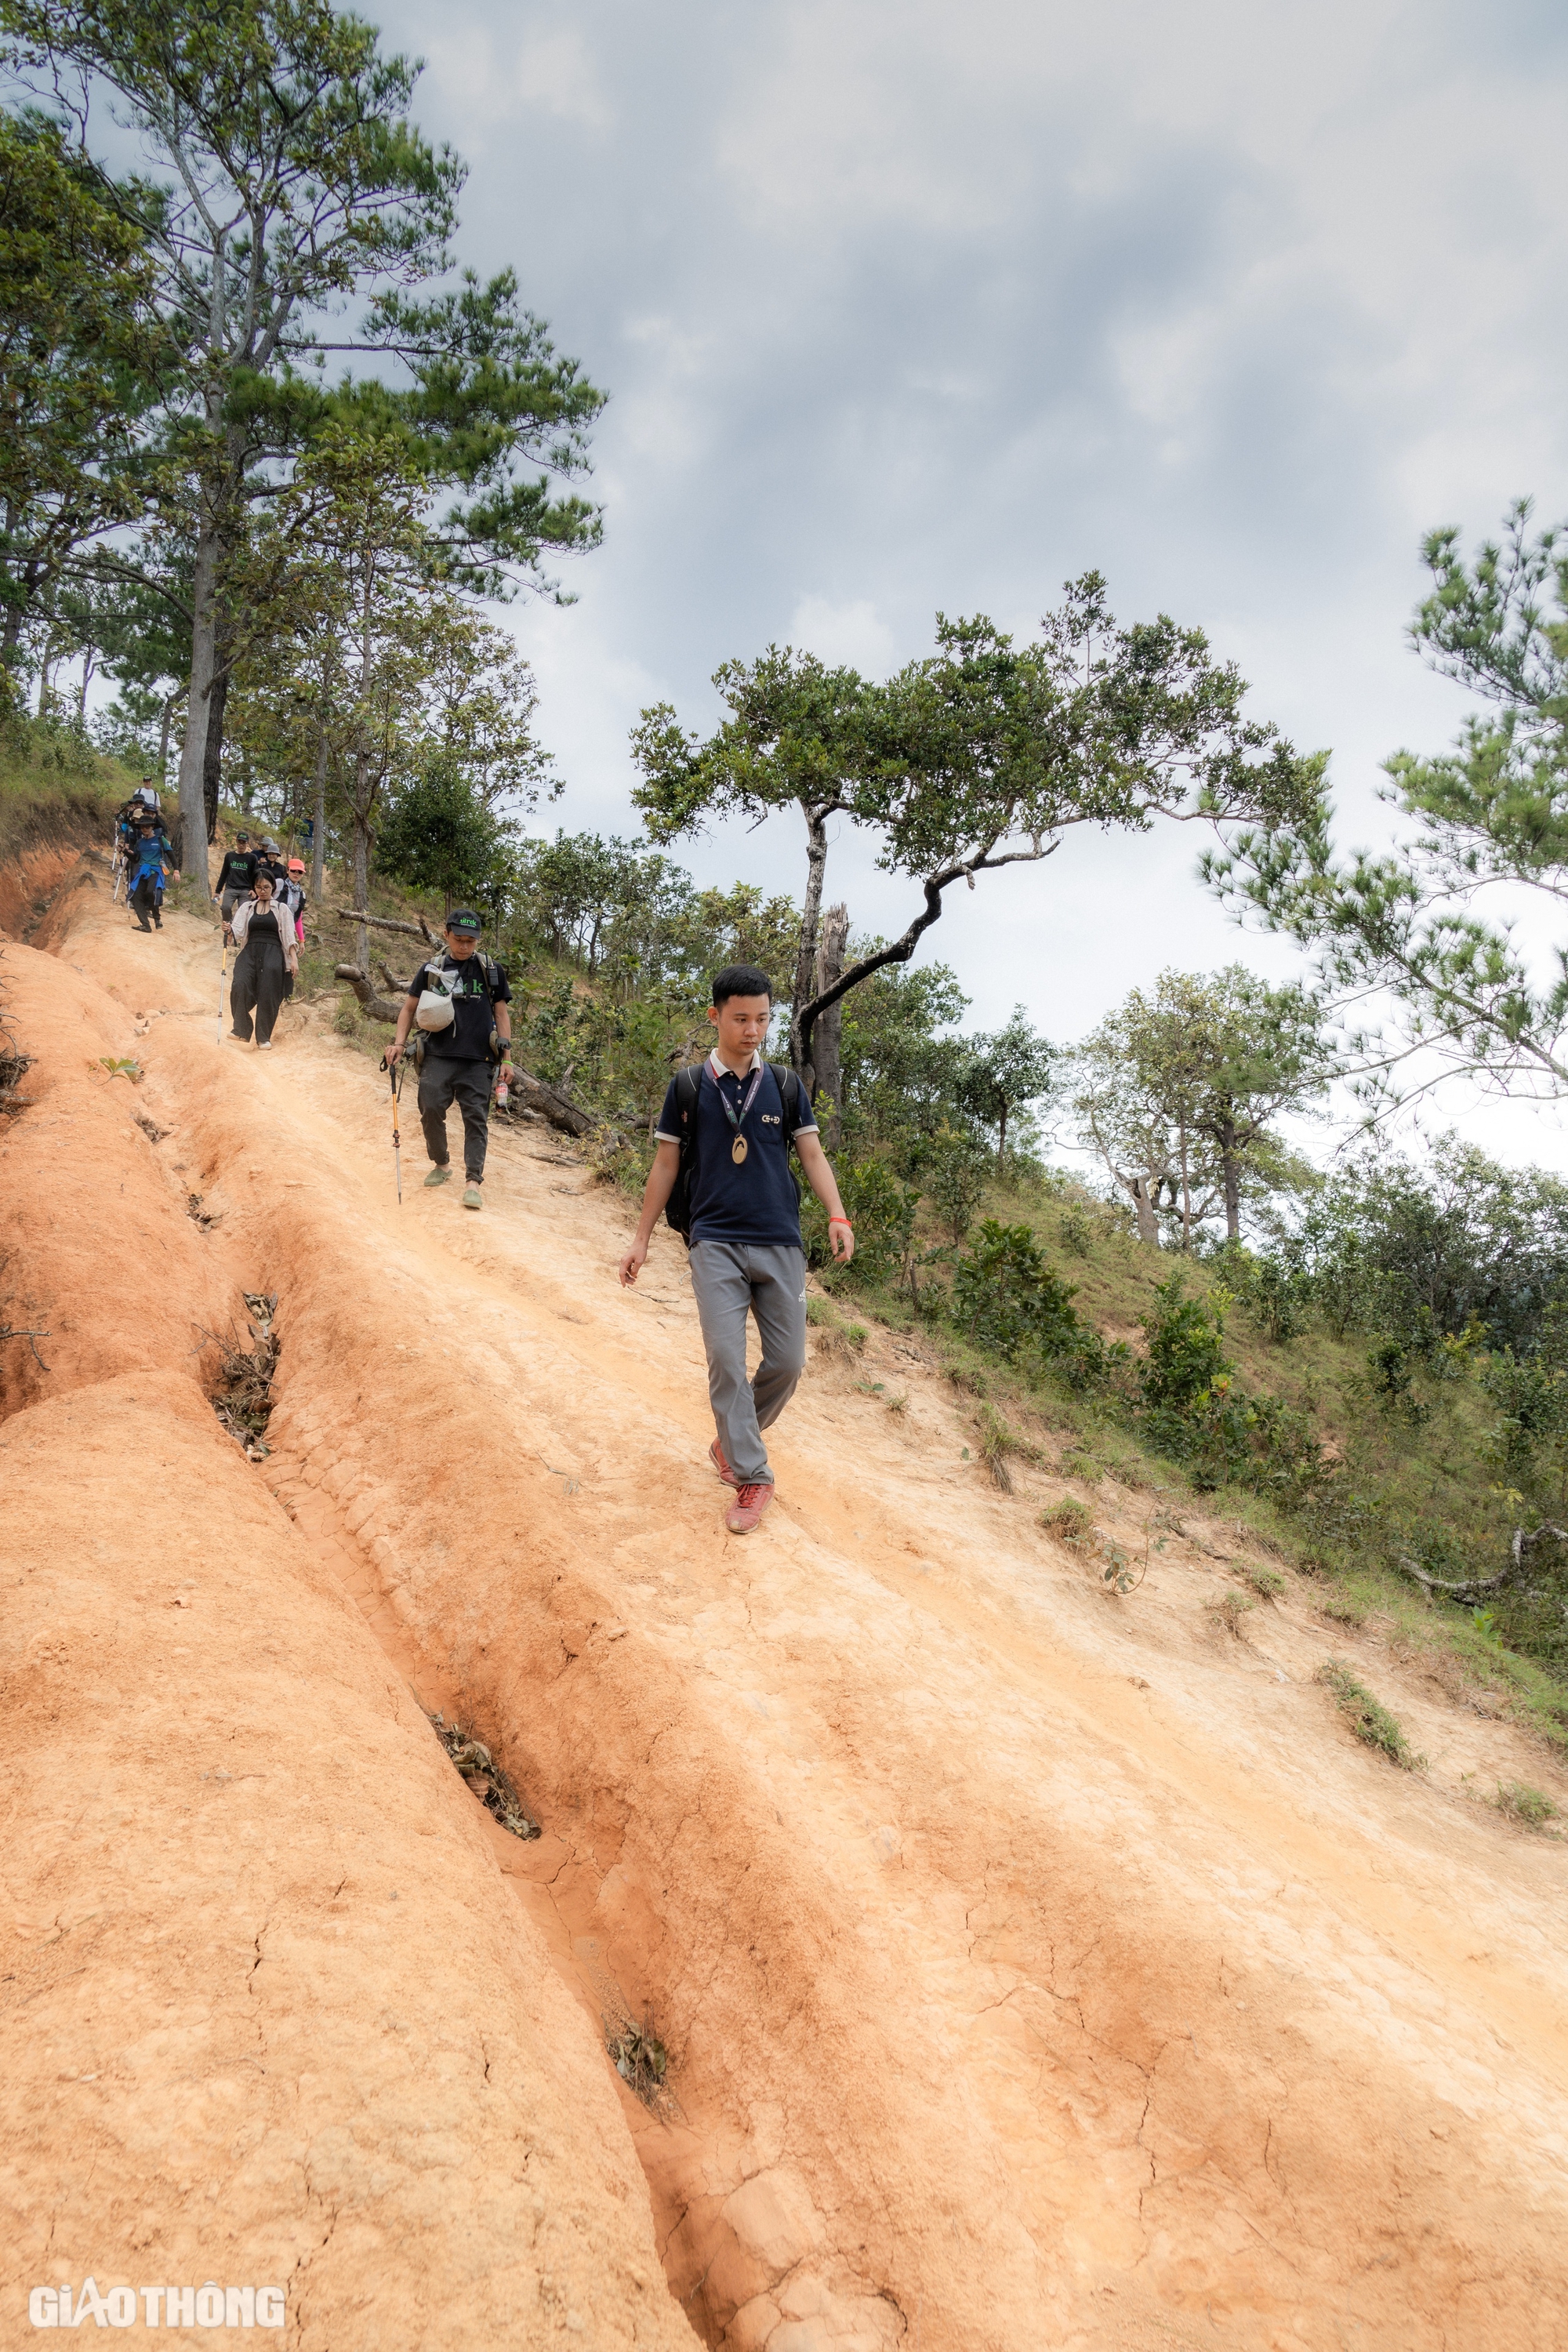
(396, 1139)
(222, 987)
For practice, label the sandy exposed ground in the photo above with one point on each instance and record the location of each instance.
(1040, 1969)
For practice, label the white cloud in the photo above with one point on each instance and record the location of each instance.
(851, 635)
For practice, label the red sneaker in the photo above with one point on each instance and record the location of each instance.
(746, 1511)
(716, 1456)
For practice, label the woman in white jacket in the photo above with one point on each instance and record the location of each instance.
(264, 934)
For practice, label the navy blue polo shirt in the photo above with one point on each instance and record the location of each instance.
(756, 1202)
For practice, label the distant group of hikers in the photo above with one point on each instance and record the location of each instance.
(721, 1171)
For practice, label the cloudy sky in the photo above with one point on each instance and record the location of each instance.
(935, 305)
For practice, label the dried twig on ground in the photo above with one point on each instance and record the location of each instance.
(243, 1400)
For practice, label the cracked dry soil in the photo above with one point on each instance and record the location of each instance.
(1034, 1970)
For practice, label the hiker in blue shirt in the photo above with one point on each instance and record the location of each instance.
(146, 861)
(721, 1168)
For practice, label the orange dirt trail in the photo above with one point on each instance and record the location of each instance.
(1038, 1969)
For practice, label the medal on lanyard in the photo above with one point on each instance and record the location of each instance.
(740, 1147)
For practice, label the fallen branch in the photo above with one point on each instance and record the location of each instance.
(419, 930)
(1524, 1539)
(390, 980)
(563, 1112)
(375, 1007)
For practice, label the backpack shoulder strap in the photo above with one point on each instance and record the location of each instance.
(688, 1086)
(796, 1109)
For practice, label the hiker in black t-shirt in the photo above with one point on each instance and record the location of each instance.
(725, 1131)
(235, 875)
(462, 1005)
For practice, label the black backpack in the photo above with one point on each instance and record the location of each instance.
(688, 1086)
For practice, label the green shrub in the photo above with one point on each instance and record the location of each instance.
(882, 1211)
(951, 1170)
(1229, 1607)
(1073, 1230)
(1266, 1582)
(1067, 1520)
(1005, 1296)
(1367, 1717)
(1187, 1356)
(1522, 1804)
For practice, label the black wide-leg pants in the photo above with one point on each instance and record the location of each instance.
(258, 987)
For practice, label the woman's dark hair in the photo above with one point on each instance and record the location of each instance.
(740, 980)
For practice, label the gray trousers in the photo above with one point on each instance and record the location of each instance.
(469, 1082)
(731, 1279)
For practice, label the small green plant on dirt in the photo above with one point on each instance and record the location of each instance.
(1121, 1574)
(121, 1066)
(998, 1444)
(1367, 1717)
(899, 1404)
(1076, 1464)
(1341, 1609)
(1266, 1582)
(1520, 1802)
(1068, 1521)
(836, 1341)
(1227, 1609)
(1123, 1571)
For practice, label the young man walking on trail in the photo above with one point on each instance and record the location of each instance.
(463, 1007)
(724, 1134)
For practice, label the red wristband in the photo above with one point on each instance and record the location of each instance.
(841, 1220)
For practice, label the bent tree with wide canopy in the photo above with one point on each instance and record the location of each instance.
(982, 755)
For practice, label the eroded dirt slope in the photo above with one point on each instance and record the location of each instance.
(1038, 1969)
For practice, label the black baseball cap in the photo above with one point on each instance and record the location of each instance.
(467, 925)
